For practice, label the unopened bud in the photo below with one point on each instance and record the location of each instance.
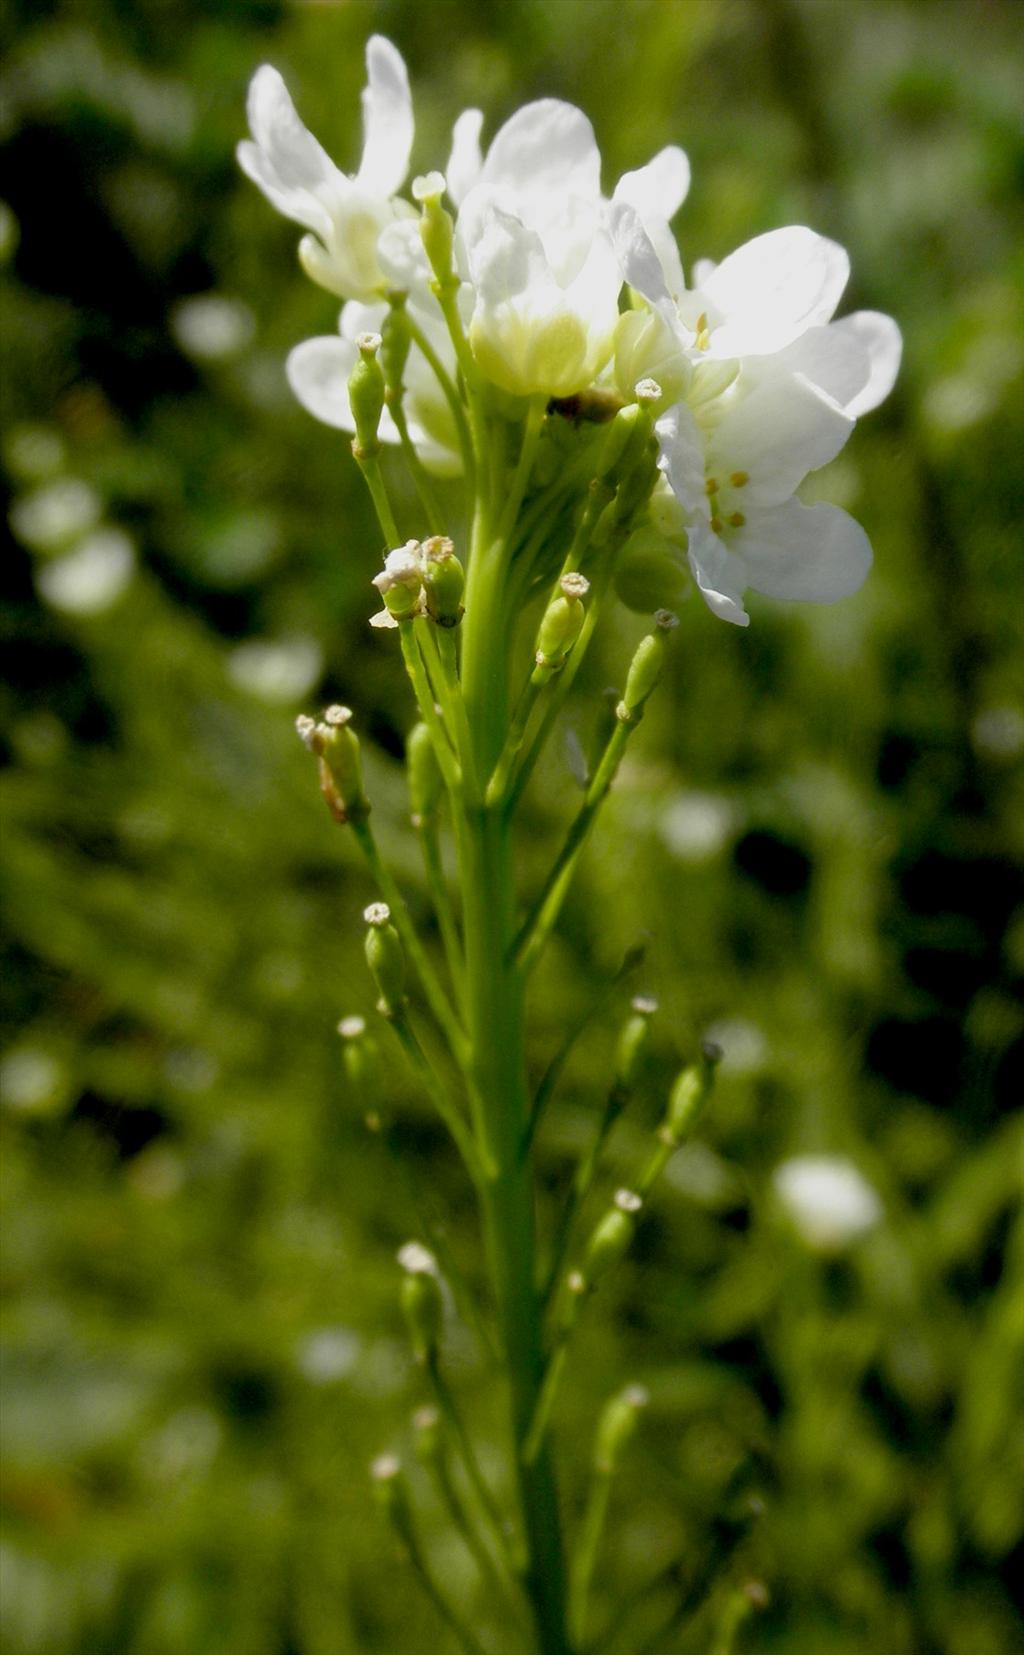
(633, 1042)
(437, 230)
(562, 623)
(444, 580)
(426, 1423)
(422, 1304)
(616, 1426)
(400, 582)
(385, 958)
(690, 1095)
(424, 774)
(366, 396)
(396, 343)
(612, 1237)
(646, 667)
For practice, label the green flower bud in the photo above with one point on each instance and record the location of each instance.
(616, 1426)
(426, 1423)
(690, 1095)
(391, 1492)
(651, 572)
(646, 667)
(444, 581)
(422, 1304)
(612, 1237)
(633, 1042)
(341, 771)
(437, 229)
(424, 774)
(562, 623)
(396, 343)
(385, 958)
(366, 397)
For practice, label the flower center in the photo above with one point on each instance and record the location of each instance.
(718, 496)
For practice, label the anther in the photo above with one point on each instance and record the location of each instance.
(716, 525)
(739, 478)
(711, 487)
(737, 520)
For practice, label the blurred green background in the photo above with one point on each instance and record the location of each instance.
(818, 835)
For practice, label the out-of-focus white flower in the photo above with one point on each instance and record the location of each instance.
(828, 1200)
(328, 1354)
(56, 514)
(279, 672)
(318, 372)
(32, 1081)
(92, 577)
(211, 326)
(345, 214)
(696, 826)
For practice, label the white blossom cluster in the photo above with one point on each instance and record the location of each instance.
(564, 289)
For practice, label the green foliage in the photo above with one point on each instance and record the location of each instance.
(817, 831)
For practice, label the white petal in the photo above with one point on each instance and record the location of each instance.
(638, 258)
(403, 258)
(659, 189)
(882, 340)
(505, 257)
(387, 119)
(294, 203)
(546, 147)
(816, 554)
(681, 448)
(831, 357)
(465, 160)
(778, 433)
(719, 576)
(774, 287)
(296, 160)
(318, 371)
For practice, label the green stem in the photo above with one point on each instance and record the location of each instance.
(425, 1575)
(369, 465)
(587, 1545)
(430, 844)
(453, 1419)
(482, 1555)
(435, 1090)
(451, 396)
(586, 1169)
(423, 691)
(417, 470)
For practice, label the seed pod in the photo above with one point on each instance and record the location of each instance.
(437, 229)
(561, 623)
(424, 774)
(444, 581)
(616, 1426)
(396, 343)
(422, 1304)
(612, 1237)
(646, 666)
(366, 397)
(385, 958)
(633, 1041)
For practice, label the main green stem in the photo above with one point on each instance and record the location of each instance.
(494, 1014)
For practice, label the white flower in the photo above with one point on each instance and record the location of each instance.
(828, 1199)
(318, 371)
(345, 214)
(532, 242)
(736, 484)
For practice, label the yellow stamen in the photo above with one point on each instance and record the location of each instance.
(711, 486)
(716, 525)
(738, 478)
(737, 520)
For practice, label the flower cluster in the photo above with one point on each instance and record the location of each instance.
(563, 292)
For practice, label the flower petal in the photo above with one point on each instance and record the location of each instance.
(780, 431)
(318, 371)
(719, 576)
(637, 255)
(881, 338)
(465, 160)
(681, 459)
(659, 189)
(771, 289)
(831, 357)
(545, 147)
(295, 158)
(816, 554)
(387, 119)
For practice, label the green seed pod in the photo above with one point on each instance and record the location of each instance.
(341, 771)
(612, 1237)
(561, 623)
(616, 1426)
(366, 397)
(391, 1493)
(422, 1304)
(651, 572)
(617, 446)
(424, 774)
(426, 1424)
(646, 667)
(396, 343)
(385, 958)
(444, 580)
(690, 1095)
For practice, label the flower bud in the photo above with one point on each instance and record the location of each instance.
(690, 1094)
(391, 1493)
(426, 1424)
(341, 773)
(366, 397)
(396, 343)
(633, 1042)
(444, 581)
(424, 774)
(400, 582)
(562, 623)
(646, 667)
(385, 958)
(616, 1426)
(422, 1304)
(651, 571)
(612, 1237)
(437, 230)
